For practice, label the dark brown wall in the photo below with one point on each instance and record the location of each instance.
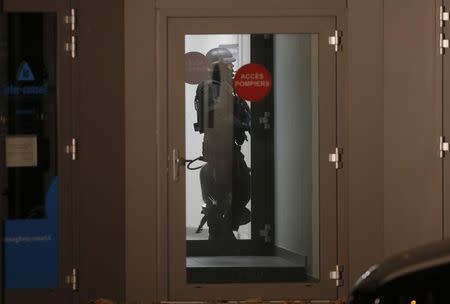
(140, 127)
(249, 4)
(446, 132)
(412, 119)
(395, 118)
(100, 128)
(34, 6)
(365, 97)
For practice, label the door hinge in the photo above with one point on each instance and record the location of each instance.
(443, 147)
(443, 16)
(265, 233)
(72, 279)
(337, 275)
(71, 19)
(72, 149)
(71, 47)
(443, 43)
(335, 40)
(336, 158)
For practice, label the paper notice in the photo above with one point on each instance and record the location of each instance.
(21, 151)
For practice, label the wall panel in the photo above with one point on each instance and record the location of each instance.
(365, 157)
(252, 4)
(140, 128)
(100, 169)
(412, 126)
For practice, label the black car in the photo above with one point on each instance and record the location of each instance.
(417, 276)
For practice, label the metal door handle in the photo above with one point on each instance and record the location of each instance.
(177, 162)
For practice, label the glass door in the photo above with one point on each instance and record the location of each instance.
(34, 125)
(252, 195)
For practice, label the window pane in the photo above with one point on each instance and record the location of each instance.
(28, 141)
(252, 134)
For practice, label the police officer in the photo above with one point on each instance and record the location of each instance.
(224, 119)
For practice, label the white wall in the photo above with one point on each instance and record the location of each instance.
(296, 146)
(202, 44)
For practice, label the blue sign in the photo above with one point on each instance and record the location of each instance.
(24, 73)
(26, 91)
(31, 248)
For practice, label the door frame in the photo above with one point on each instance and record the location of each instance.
(64, 293)
(163, 16)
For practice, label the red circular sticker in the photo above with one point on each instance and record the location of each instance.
(195, 67)
(252, 82)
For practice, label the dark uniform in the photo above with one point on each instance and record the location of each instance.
(224, 119)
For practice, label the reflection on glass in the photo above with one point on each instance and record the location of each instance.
(221, 132)
(252, 202)
(28, 141)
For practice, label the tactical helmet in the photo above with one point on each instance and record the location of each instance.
(219, 55)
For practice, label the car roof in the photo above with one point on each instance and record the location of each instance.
(412, 261)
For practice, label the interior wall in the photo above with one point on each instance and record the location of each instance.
(296, 145)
